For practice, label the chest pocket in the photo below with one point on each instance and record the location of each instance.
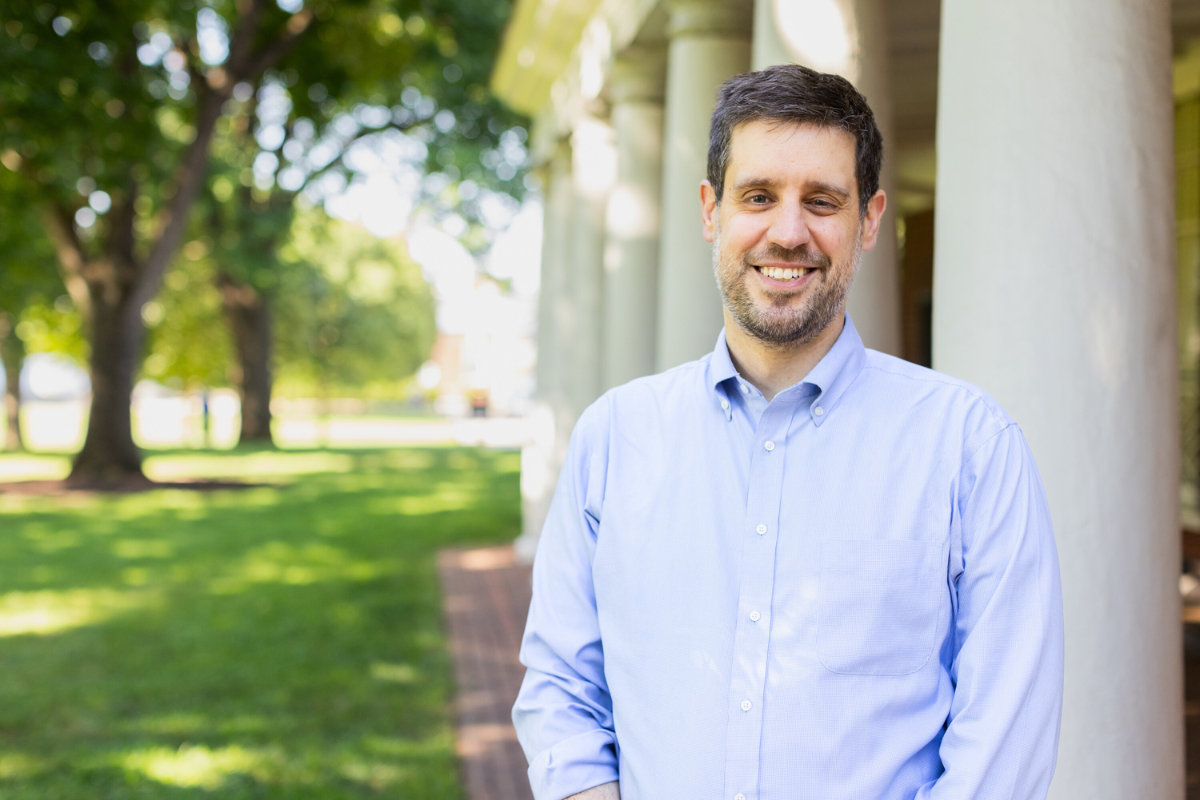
(878, 604)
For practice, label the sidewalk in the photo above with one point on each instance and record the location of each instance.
(485, 600)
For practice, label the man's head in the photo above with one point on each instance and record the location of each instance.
(792, 199)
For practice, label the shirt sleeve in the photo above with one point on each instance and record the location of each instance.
(563, 714)
(1001, 738)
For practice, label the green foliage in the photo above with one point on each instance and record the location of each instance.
(351, 309)
(189, 344)
(53, 328)
(28, 264)
(276, 642)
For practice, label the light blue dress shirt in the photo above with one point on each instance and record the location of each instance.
(848, 593)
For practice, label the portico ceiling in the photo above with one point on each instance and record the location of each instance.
(543, 35)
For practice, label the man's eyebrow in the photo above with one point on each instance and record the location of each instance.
(772, 183)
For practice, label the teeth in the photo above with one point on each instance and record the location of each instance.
(780, 274)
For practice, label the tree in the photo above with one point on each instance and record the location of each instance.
(409, 77)
(353, 308)
(110, 110)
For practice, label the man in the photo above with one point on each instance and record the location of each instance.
(795, 569)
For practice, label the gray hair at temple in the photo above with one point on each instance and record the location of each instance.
(794, 94)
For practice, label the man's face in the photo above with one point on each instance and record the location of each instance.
(787, 235)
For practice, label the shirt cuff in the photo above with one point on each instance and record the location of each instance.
(574, 765)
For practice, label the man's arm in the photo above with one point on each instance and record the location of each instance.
(1001, 739)
(609, 791)
(563, 714)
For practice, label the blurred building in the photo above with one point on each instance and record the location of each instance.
(1032, 151)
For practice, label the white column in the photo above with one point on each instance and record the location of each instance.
(710, 41)
(1054, 290)
(582, 331)
(632, 222)
(849, 38)
(543, 452)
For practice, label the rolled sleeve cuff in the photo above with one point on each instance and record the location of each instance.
(574, 765)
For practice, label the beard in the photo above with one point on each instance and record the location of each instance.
(782, 322)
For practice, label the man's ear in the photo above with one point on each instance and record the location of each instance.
(870, 230)
(708, 210)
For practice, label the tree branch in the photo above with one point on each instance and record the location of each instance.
(297, 26)
(341, 156)
(71, 257)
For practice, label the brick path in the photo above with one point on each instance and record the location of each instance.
(485, 598)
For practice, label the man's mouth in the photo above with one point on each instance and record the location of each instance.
(785, 274)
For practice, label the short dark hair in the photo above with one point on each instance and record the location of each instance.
(795, 94)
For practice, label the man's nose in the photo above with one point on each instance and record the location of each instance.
(789, 229)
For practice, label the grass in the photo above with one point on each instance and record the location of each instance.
(273, 642)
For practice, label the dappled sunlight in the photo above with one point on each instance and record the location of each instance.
(197, 766)
(28, 467)
(376, 774)
(142, 548)
(280, 562)
(246, 465)
(18, 765)
(178, 643)
(44, 613)
(394, 673)
(446, 499)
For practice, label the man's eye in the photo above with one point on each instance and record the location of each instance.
(759, 199)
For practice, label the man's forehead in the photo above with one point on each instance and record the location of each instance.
(773, 151)
(784, 131)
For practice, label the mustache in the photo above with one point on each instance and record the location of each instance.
(803, 256)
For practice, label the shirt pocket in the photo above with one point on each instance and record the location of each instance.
(878, 605)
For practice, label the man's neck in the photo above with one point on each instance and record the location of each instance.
(772, 369)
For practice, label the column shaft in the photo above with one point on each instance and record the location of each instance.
(632, 222)
(1054, 290)
(874, 302)
(710, 41)
(543, 453)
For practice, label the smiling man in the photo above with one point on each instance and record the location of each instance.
(795, 569)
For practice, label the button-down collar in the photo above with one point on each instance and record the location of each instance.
(830, 377)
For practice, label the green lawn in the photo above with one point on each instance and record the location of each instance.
(273, 642)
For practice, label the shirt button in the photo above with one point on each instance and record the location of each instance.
(754, 616)
(745, 389)
(746, 705)
(761, 529)
(818, 411)
(770, 446)
(739, 796)
(725, 404)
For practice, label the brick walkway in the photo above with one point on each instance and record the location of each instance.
(485, 600)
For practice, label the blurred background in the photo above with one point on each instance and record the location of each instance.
(300, 300)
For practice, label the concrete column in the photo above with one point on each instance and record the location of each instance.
(632, 221)
(849, 38)
(1054, 290)
(582, 328)
(709, 42)
(542, 454)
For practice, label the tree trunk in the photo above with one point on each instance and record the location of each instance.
(249, 317)
(109, 457)
(12, 352)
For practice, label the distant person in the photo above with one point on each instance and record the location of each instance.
(479, 402)
(795, 569)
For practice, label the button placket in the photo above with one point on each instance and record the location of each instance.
(752, 635)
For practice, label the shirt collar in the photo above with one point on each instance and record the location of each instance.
(832, 375)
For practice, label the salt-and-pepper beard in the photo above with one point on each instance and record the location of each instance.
(784, 325)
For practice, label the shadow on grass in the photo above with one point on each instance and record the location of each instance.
(267, 642)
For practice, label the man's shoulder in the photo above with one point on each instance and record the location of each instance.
(908, 385)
